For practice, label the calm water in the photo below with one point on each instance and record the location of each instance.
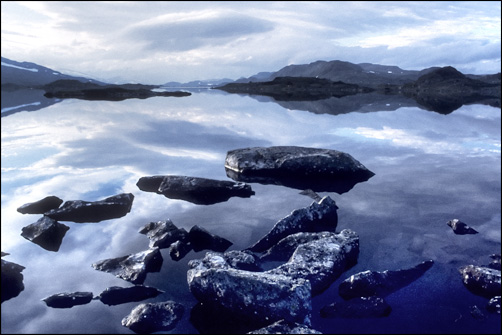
(429, 168)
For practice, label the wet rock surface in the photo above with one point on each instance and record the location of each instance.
(84, 211)
(116, 295)
(41, 206)
(132, 268)
(481, 280)
(68, 300)
(154, 317)
(284, 327)
(12, 279)
(374, 283)
(163, 233)
(360, 307)
(46, 232)
(460, 228)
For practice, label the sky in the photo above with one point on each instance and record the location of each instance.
(154, 42)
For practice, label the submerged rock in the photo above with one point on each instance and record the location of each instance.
(68, 300)
(95, 211)
(460, 228)
(41, 206)
(163, 233)
(201, 239)
(116, 295)
(481, 280)
(154, 317)
(374, 283)
(134, 267)
(319, 216)
(360, 307)
(200, 191)
(46, 232)
(285, 327)
(12, 279)
(296, 167)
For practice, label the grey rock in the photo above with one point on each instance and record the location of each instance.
(46, 232)
(481, 280)
(323, 260)
(285, 327)
(116, 295)
(370, 283)
(201, 239)
(360, 307)
(41, 206)
(252, 296)
(460, 228)
(68, 300)
(95, 211)
(163, 233)
(12, 279)
(132, 268)
(319, 216)
(242, 260)
(493, 305)
(153, 317)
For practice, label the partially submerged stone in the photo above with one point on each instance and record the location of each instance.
(94, 211)
(12, 279)
(360, 307)
(132, 268)
(154, 317)
(460, 228)
(296, 167)
(374, 283)
(285, 327)
(68, 300)
(319, 216)
(481, 280)
(163, 233)
(46, 232)
(201, 239)
(200, 191)
(41, 206)
(116, 295)
(493, 305)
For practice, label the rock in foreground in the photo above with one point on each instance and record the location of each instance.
(154, 317)
(46, 232)
(12, 279)
(481, 280)
(284, 327)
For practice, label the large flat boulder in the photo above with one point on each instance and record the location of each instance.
(296, 167)
(68, 300)
(41, 206)
(154, 317)
(116, 295)
(46, 232)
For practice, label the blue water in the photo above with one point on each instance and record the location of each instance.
(429, 168)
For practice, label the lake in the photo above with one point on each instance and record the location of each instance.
(429, 168)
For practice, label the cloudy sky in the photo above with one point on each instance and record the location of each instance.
(156, 42)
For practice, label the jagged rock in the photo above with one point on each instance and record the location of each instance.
(493, 305)
(12, 279)
(323, 260)
(154, 317)
(319, 216)
(296, 167)
(200, 191)
(460, 228)
(285, 327)
(481, 280)
(68, 300)
(163, 233)
(242, 260)
(134, 267)
(360, 307)
(179, 249)
(116, 295)
(46, 232)
(95, 211)
(370, 283)
(41, 206)
(201, 239)
(253, 296)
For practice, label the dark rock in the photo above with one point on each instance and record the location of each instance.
(46, 232)
(134, 267)
(296, 167)
(253, 296)
(493, 305)
(370, 283)
(242, 260)
(179, 249)
(85, 211)
(154, 317)
(163, 233)
(319, 216)
(360, 307)
(323, 260)
(12, 279)
(201, 239)
(285, 327)
(495, 263)
(41, 206)
(116, 295)
(150, 184)
(481, 280)
(68, 300)
(460, 228)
